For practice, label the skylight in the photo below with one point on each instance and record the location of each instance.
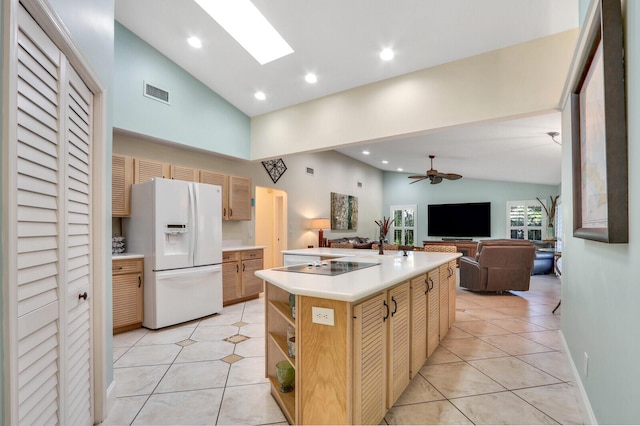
(244, 22)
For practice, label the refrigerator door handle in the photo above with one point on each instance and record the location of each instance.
(193, 217)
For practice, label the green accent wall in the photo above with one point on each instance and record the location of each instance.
(197, 117)
(600, 285)
(398, 190)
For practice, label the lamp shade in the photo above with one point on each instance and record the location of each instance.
(320, 224)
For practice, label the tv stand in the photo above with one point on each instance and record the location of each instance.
(467, 247)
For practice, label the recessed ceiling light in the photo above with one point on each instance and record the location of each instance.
(386, 54)
(311, 78)
(399, 169)
(244, 22)
(385, 162)
(260, 96)
(365, 152)
(194, 42)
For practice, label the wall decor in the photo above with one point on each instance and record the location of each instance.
(344, 212)
(275, 168)
(599, 130)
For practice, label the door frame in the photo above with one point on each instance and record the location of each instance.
(103, 392)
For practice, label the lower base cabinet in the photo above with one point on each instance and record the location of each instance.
(127, 294)
(239, 282)
(354, 371)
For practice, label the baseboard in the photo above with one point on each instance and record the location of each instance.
(588, 417)
(111, 397)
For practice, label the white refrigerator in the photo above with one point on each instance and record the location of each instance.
(177, 226)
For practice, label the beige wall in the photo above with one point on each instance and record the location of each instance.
(308, 196)
(475, 89)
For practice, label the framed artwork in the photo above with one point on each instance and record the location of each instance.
(344, 212)
(275, 168)
(599, 130)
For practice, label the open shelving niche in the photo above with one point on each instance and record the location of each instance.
(278, 319)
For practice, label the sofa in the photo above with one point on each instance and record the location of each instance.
(499, 265)
(543, 262)
(358, 242)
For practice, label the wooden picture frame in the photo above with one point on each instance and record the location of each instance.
(599, 130)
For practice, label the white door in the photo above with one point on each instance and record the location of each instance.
(174, 225)
(207, 248)
(49, 325)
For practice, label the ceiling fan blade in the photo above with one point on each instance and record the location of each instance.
(436, 179)
(420, 178)
(451, 176)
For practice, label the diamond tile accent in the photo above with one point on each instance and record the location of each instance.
(230, 359)
(240, 324)
(236, 338)
(186, 342)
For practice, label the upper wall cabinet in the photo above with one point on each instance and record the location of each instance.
(145, 170)
(236, 194)
(184, 173)
(121, 180)
(239, 198)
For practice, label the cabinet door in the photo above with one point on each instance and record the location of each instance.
(250, 283)
(230, 281)
(399, 346)
(239, 198)
(418, 323)
(453, 283)
(444, 299)
(121, 180)
(222, 180)
(433, 311)
(184, 173)
(369, 359)
(127, 299)
(144, 170)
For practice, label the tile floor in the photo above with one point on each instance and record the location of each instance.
(501, 363)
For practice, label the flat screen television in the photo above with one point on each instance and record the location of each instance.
(465, 220)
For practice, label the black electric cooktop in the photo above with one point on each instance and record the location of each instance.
(327, 267)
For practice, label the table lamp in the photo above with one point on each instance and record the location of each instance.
(320, 224)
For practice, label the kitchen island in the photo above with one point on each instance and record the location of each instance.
(361, 335)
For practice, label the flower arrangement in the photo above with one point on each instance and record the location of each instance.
(384, 224)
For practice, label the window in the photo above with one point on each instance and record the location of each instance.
(404, 225)
(525, 220)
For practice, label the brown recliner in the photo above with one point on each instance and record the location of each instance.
(499, 265)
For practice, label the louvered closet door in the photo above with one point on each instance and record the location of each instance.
(53, 259)
(79, 111)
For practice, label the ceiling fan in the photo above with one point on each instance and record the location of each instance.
(435, 176)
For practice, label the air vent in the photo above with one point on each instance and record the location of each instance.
(310, 171)
(154, 92)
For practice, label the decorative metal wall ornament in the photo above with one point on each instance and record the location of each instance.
(275, 168)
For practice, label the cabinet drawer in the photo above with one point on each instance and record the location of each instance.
(126, 266)
(230, 256)
(252, 254)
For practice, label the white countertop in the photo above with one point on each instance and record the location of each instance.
(353, 286)
(241, 247)
(123, 256)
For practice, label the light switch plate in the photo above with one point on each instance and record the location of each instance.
(322, 315)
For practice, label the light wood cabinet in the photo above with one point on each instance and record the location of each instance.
(398, 367)
(433, 311)
(145, 170)
(419, 289)
(236, 194)
(183, 173)
(370, 361)
(239, 282)
(354, 371)
(121, 181)
(127, 290)
(453, 282)
(444, 300)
